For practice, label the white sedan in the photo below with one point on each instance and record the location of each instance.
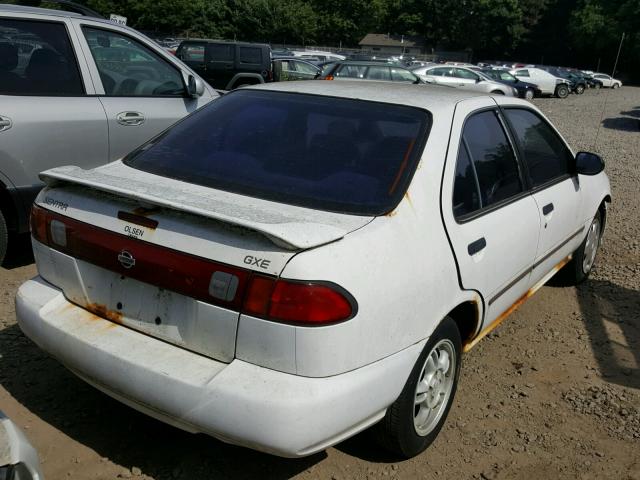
(299, 261)
(607, 80)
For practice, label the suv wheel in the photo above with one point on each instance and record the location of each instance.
(562, 91)
(529, 94)
(580, 89)
(413, 421)
(4, 238)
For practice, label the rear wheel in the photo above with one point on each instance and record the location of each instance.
(412, 423)
(528, 95)
(580, 89)
(580, 266)
(4, 237)
(562, 91)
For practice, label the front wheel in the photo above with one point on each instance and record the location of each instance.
(562, 91)
(615, 85)
(528, 95)
(414, 420)
(580, 89)
(580, 266)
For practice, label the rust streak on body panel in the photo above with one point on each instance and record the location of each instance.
(469, 345)
(103, 312)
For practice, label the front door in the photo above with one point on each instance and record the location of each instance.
(143, 92)
(556, 190)
(492, 221)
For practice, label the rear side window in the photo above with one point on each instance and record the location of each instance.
(545, 154)
(486, 163)
(401, 75)
(220, 52)
(36, 58)
(327, 153)
(379, 73)
(250, 55)
(522, 73)
(462, 73)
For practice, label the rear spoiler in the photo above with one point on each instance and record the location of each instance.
(289, 227)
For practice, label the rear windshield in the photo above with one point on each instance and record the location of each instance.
(327, 153)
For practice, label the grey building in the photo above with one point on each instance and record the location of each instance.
(393, 44)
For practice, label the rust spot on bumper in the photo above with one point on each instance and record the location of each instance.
(103, 312)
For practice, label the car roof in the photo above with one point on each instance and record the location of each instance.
(431, 97)
(366, 62)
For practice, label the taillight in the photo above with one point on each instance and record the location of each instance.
(239, 289)
(308, 303)
(328, 77)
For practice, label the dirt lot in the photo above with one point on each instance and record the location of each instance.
(553, 393)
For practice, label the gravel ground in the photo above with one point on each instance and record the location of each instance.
(552, 393)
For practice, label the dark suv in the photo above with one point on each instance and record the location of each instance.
(228, 65)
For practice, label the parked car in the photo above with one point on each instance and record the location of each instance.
(228, 65)
(577, 84)
(299, 261)
(18, 459)
(293, 68)
(463, 77)
(319, 55)
(85, 98)
(607, 80)
(355, 70)
(547, 83)
(525, 90)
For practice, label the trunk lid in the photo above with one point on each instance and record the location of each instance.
(178, 236)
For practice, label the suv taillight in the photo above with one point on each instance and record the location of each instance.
(271, 298)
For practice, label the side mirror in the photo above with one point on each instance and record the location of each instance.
(589, 163)
(195, 86)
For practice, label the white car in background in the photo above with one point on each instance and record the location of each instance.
(18, 459)
(463, 77)
(299, 261)
(607, 80)
(320, 55)
(547, 83)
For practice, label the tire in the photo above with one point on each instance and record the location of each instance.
(562, 91)
(529, 94)
(398, 431)
(580, 89)
(497, 92)
(597, 86)
(580, 266)
(4, 238)
(615, 85)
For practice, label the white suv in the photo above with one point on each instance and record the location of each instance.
(82, 90)
(299, 261)
(548, 83)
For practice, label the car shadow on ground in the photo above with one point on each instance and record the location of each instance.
(611, 315)
(629, 122)
(119, 433)
(19, 252)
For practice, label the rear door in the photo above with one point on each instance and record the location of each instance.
(48, 114)
(556, 190)
(142, 92)
(492, 220)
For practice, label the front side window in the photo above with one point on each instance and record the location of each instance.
(351, 71)
(545, 154)
(486, 163)
(305, 68)
(334, 154)
(129, 69)
(401, 75)
(36, 58)
(522, 73)
(192, 52)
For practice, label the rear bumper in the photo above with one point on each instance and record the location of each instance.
(238, 403)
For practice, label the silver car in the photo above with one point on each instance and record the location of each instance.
(463, 77)
(78, 90)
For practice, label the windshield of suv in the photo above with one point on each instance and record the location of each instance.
(334, 154)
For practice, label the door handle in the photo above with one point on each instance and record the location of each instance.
(547, 209)
(130, 119)
(477, 246)
(5, 123)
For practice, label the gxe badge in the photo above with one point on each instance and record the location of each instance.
(126, 259)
